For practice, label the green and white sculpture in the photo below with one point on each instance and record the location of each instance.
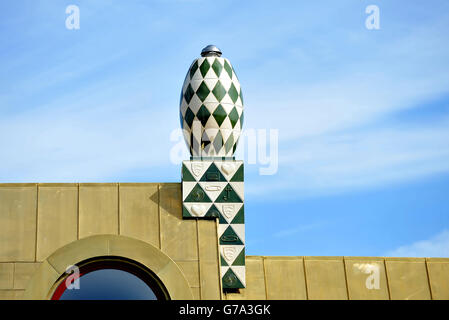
(211, 110)
(211, 106)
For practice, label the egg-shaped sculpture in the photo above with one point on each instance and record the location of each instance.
(211, 106)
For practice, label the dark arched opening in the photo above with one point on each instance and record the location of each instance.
(109, 278)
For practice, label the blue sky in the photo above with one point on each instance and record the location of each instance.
(363, 115)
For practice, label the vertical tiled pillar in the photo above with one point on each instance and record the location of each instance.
(214, 189)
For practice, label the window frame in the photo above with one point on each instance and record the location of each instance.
(116, 263)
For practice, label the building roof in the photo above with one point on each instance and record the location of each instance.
(38, 219)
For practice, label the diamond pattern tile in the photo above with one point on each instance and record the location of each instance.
(211, 83)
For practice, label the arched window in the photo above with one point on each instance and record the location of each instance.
(109, 278)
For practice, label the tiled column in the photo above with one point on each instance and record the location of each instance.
(214, 189)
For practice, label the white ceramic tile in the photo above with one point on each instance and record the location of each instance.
(226, 124)
(239, 272)
(229, 210)
(223, 270)
(228, 168)
(197, 168)
(195, 104)
(187, 187)
(198, 209)
(211, 83)
(231, 252)
(221, 228)
(227, 99)
(213, 189)
(225, 133)
(238, 188)
(210, 74)
(239, 230)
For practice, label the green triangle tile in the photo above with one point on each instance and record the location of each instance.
(186, 175)
(238, 175)
(228, 69)
(218, 142)
(222, 220)
(219, 91)
(213, 212)
(234, 117)
(197, 195)
(228, 195)
(193, 69)
(240, 260)
(189, 116)
(241, 121)
(203, 91)
(188, 95)
(239, 217)
(203, 115)
(241, 95)
(205, 66)
(231, 281)
(229, 237)
(217, 67)
(223, 261)
(220, 114)
(185, 212)
(233, 93)
(212, 174)
(229, 144)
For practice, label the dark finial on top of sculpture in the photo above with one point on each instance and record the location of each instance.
(211, 51)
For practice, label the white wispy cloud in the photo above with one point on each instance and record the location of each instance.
(357, 159)
(88, 135)
(437, 246)
(285, 233)
(336, 134)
